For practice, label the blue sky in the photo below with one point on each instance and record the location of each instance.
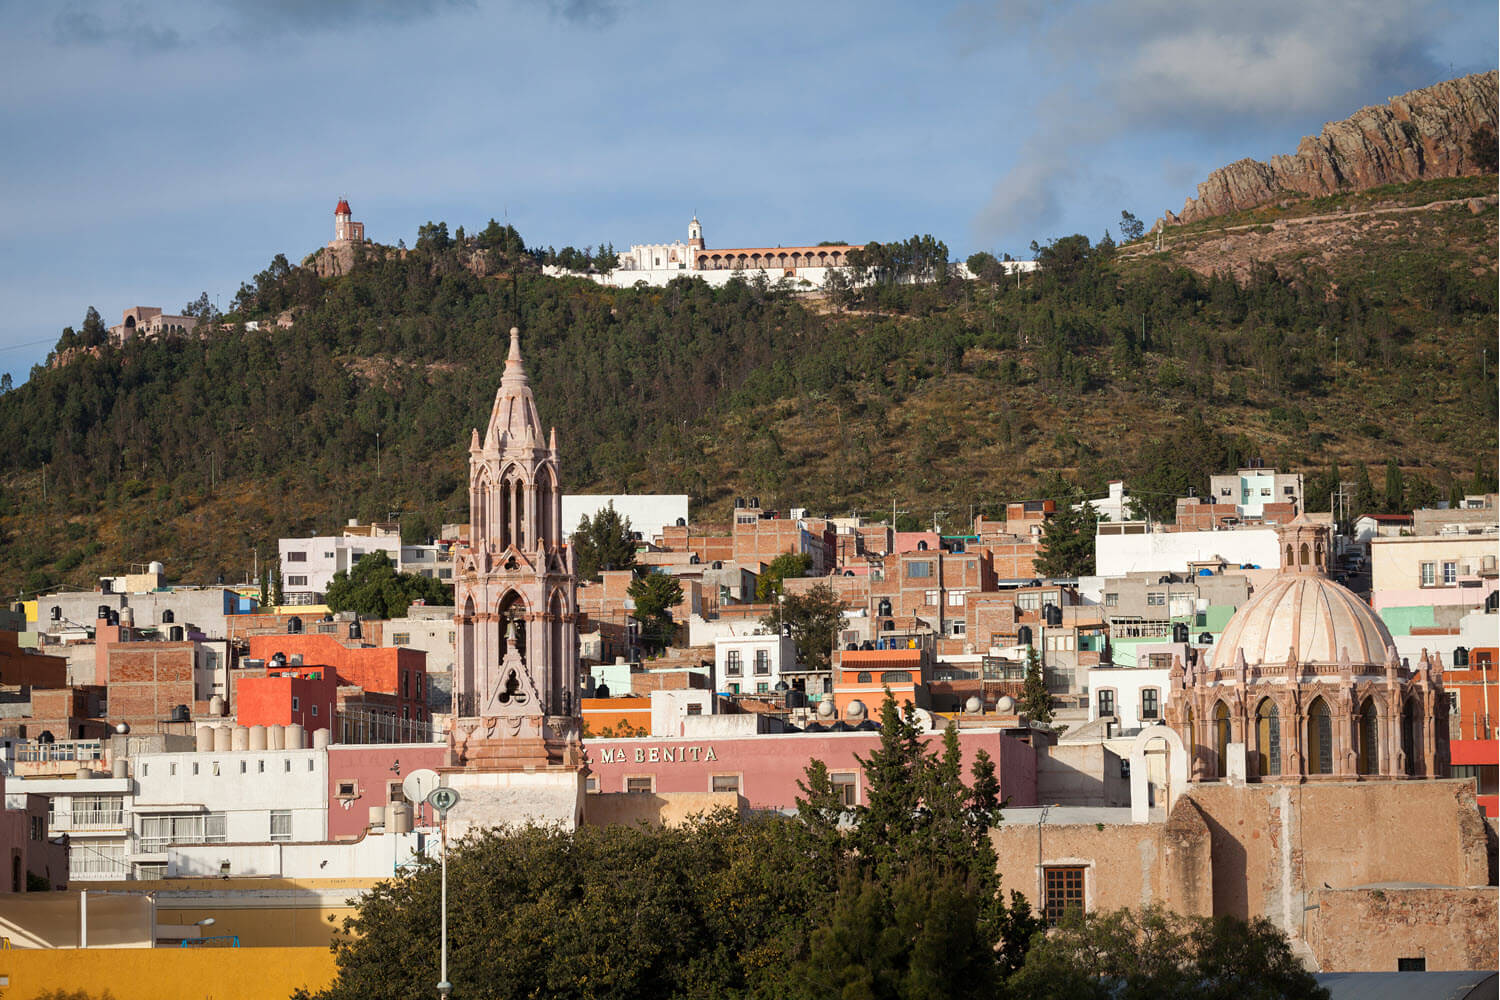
(156, 150)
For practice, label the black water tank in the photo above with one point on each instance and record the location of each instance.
(1052, 615)
(293, 625)
(1461, 656)
(921, 546)
(848, 572)
(884, 607)
(355, 631)
(168, 617)
(602, 691)
(1179, 632)
(755, 502)
(179, 713)
(114, 617)
(175, 633)
(1206, 638)
(851, 647)
(796, 699)
(739, 503)
(682, 522)
(103, 613)
(1023, 635)
(56, 613)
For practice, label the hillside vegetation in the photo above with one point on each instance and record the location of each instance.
(1377, 348)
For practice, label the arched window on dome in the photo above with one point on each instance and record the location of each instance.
(1221, 739)
(1369, 739)
(1411, 734)
(1304, 554)
(1289, 562)
(1192, 734)
(1319, 738)
(1268, 739)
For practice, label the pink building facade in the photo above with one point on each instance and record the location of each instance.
(364, 775)
(764, 769)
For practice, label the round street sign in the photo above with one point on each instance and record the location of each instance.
(442, 799)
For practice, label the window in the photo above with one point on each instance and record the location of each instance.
(917, 570)
(958, 627)
(1063, 891)
(1150, 707)
(157, 832)
(732, 663)
(1226, 491)
(1111, 600)
(296, 557)
(695, 709)
(328, 555)
(1450, 573)
(1288, 491)
(956, 598)
(896, 677)
(762, 662)
(1268, 736)
(260, 767)
(640, 784)
(763, 687)
(1429, 574)
(1159, 661)
(1319, 739)
(296, 706)
(1029, 602)
(930, 598)
(1106, 703)
(195, 767)
(315, 711)
(734, 689)
(844, 787)
(1411, 964)
(725, 783)
(400, 638)
(296, 581)
(1156, 600)
(591, 784)
(346, 790)
(1265, 491)
(863, 677)
(281, 826)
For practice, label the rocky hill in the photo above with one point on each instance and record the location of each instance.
(1421, 135)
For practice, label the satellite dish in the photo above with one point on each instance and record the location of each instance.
(419, 784)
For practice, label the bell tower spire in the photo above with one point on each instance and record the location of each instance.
(516, 676)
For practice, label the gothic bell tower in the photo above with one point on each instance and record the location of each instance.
(515, 683)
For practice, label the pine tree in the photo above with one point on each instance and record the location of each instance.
(1036, 700)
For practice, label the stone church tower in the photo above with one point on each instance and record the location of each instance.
(515, 684)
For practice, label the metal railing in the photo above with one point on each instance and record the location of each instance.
(213, 941)
(81, 819)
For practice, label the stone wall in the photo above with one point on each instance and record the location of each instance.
(1127, 864)
(1370, 929)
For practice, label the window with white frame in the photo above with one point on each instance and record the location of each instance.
(1450, 573)
(732, 666)
(956, 598)
(281, 826)
(1429, 574)
(930, 598)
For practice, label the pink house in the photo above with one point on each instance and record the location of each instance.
(370, 774)
(764, 769)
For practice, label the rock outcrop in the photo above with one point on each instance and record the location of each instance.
(1420, 135)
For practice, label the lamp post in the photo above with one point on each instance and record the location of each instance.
(442, 799)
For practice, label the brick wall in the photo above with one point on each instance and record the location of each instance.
(146, 680)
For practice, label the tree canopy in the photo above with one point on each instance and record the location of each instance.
(374, 588)
(1067, 548)
(655, 595)
(814, 620)
(768, 585)
(603, 543)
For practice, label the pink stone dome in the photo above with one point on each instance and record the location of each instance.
(1309, 616)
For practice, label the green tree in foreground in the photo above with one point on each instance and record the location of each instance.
(374, 588)
(606, 542)
(1161, 955)
(655, 595)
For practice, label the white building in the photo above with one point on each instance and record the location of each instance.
(648, 512)
(227, 797)
(1251, 489)
(753, 664)
(94, 813)
(1113, 506)
(1141, 547)
(308, 564)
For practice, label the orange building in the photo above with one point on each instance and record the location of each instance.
(1473, 718)
(864, 675)
(621, 715)
(302, 695)
(391, 670)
